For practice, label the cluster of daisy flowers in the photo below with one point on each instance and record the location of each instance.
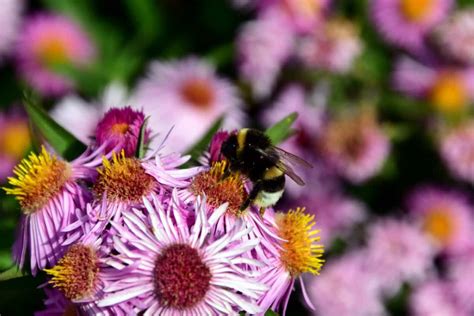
(118, 233)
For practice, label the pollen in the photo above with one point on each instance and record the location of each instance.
(300, 253)
(182, 279)
(220, 188)
(198, 92)
(38, 179)
(123, 179)
(449, 94)
(119, 128)
(439, 225)
(417, 10)
(75, 275)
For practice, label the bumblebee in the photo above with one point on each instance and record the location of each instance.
(251, 152)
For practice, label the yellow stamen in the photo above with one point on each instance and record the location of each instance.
(75, 273)
(52, 50)
(439, 225)
(15, 139)
(219, 189)
(123, 179)
(417, 10)
(39, 178)
(449, 94)
(300, 253)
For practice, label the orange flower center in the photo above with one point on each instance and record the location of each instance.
(52, 50)
(449, 94)
(198, 92)
(417, 10)
(439, 225)
(15, 139)
(119, 128)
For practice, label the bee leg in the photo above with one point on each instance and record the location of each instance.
(252, 195)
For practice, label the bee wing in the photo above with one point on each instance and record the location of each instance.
(289, 172)
(292, 159)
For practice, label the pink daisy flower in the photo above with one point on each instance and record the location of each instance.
(405, 23)
(390, 240)
(345, 289)
(14, 141)
(47, 190)
(188, 95)
(10, 15)
(447, 89)
(47, 41)
(175, 270)
(445, 216)
(297, 252)
(455, 36)
(354, 145)
(461, 278)
(457, 150)
(120, 129)
(434, 299)
(261, 54)
(334, 48)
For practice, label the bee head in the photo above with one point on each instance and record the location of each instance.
(229, 148)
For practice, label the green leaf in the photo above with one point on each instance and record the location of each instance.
(197, 150)
(11, 273)
(140, 152)
(271, 313)
(281, 130)
(60, 139)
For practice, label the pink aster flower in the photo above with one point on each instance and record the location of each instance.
(457, 150)
(47, 41)
(455, 36)
(434, 299)
(448, 89)
(10, 15)
(175, 270)
(390, 241)
(261, 54)
(14, 141)
(188, 95)
(461, 277)
(47, 190)
(405, 23)
(120, 128)
(334, 48)
(56, 304)
(354, 145)
(81, 117)
(345, 289)
(445, 216)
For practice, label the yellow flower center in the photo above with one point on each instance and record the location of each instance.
(219, 190)
(15, 139)
(417, 10)
(76, 272)
(123, 179)
(39, 178)
(198, 92)
(299, 253)
(119, 128)
(52, 50)
(449, 94)
(306, 8)
(440, 225)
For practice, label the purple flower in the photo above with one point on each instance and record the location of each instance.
(461, 278)
(120, 129)
(47, 190)
(457, 150)
(405, 23)
(173, 269)
(10, 17)
(445, 216)
(188, 95)
(48, 41)
(390, 241)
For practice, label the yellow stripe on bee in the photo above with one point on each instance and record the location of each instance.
(241, 136)
(272, 173)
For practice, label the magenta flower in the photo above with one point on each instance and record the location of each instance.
(48, 41)
(448, 89)
(397, 252)
(173, 269)
(445, 216)
(406, 23)
(457, 150)
(120, 129)
(46, 188)
(188, 95)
